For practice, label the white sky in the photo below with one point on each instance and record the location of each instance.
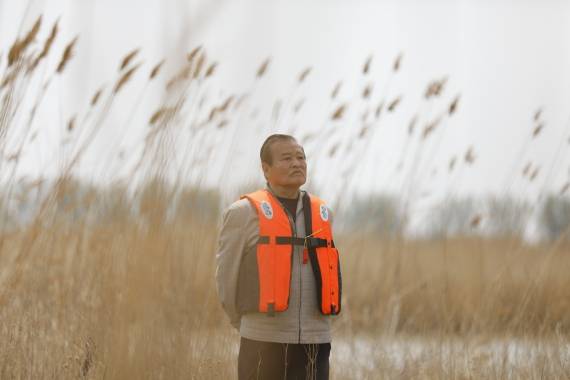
(505, 58)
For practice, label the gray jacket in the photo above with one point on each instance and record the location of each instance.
(302, 322)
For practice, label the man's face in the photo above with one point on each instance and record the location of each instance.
(289, 167)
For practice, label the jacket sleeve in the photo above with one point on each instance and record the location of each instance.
(231, 245)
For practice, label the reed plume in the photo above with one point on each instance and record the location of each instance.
(262, 68)
(397, 62)
(125, 78)
(304, 74)
(367, 63)
(19, 46)
(339, 112)
(66, 56)
(394, 103)
(47, 45)
(155, 70)
(336, 90)
(128, 58)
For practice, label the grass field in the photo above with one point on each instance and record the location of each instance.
(128, 301)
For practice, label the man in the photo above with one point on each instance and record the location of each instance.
(278, 274)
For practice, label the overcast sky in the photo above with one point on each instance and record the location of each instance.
(505, 58)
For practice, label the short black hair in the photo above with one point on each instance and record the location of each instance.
(265, 152)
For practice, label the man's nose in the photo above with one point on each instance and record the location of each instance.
(297, 163)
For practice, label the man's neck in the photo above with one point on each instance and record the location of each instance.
(285, 192)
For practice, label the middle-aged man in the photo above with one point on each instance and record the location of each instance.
(278, 273)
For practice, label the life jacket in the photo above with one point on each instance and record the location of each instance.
(274, 255)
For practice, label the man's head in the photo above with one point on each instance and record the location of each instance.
(283, 161)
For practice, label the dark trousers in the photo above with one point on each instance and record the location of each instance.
(269, 361)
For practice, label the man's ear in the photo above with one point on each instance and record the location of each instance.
(265, 168)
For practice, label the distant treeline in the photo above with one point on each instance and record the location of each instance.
(72, 200)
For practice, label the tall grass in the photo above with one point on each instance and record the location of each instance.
(117, 282)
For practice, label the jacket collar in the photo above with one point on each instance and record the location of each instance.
(302, 194)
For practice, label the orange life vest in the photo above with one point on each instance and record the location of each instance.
(274, 253)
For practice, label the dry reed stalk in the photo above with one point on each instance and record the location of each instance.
(47, 45)
(526, 169)
(452, 163)
(13, 157)
(163, 113)
(220, 109)
(367, 91)
(430, 127)
(211, 70)
(66, 56)
(31, 35)
(263, 68)
(435, 88)
(394, 103)
(9, 78)
(128, 58)
(19, 46)
(537, 130)
(366, 66)
(476, 221)
(339, 112)
(453, 105)
(124, 79)
(397, 62)
(378, 110)
(412, 125)
(155, 70)
(469, 156)
(199, 65)
(179, 77)
(192, 54)
(71, 124)
(96, 97)
(304, 74)
(336, 90)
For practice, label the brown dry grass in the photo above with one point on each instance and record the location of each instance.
(136, 299)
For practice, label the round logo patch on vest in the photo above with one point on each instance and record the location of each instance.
(324, 213)
(267, 210)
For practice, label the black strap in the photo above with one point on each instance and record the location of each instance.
(263, 240)
(289, 240)
(309, 242)
(314, 242)
(312, 251)
(281, 240)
